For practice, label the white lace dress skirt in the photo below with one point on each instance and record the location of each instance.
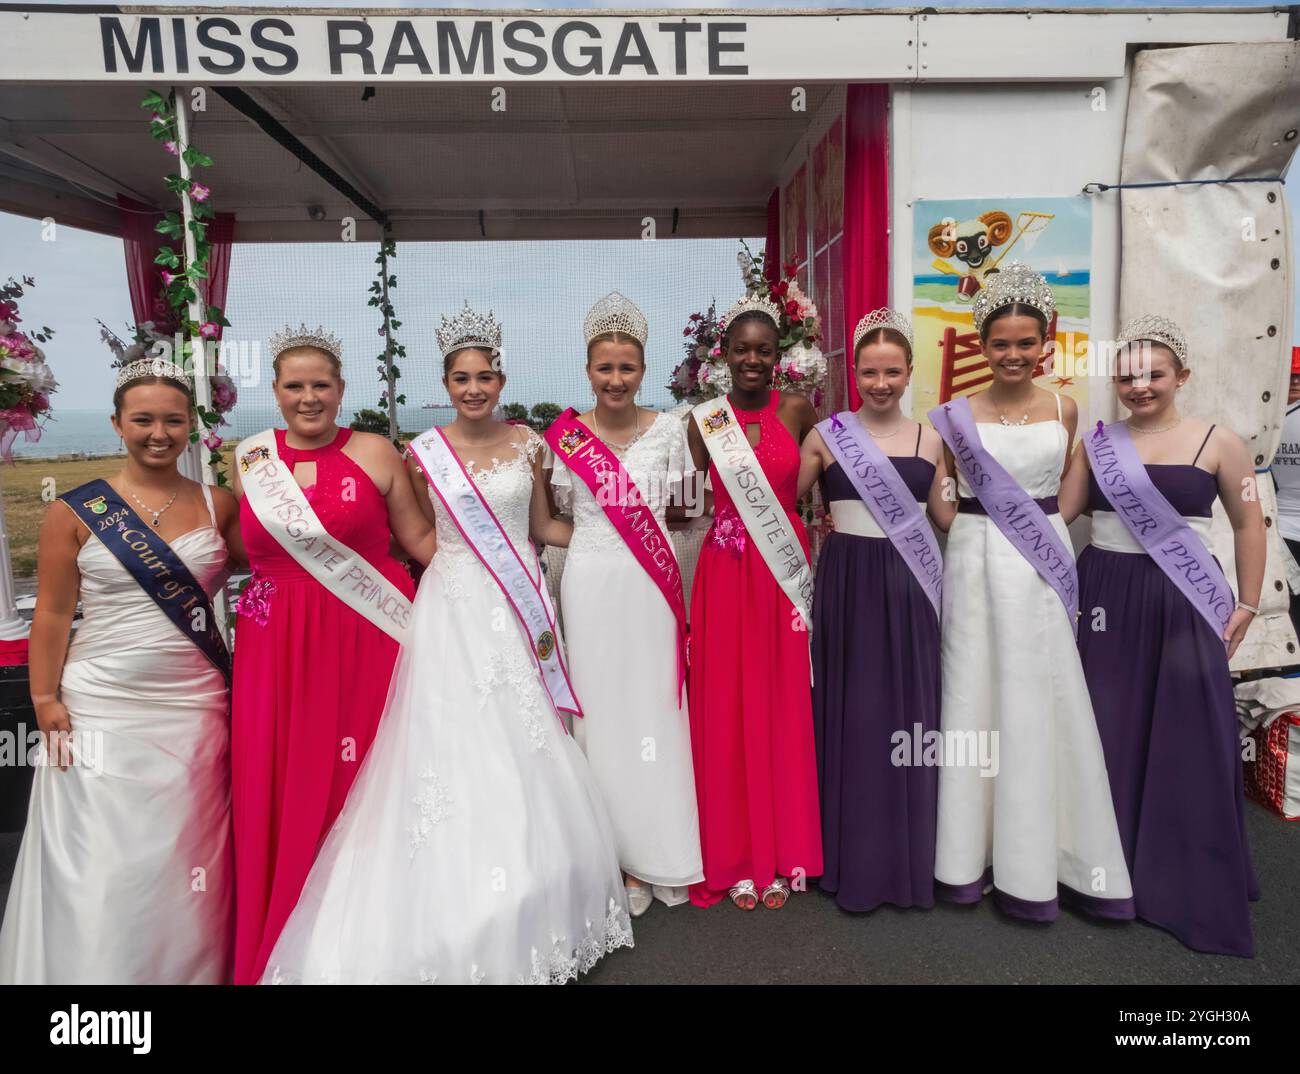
(474, 846)
(622, 650)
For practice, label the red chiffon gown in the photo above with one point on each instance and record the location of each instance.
(310, 682)
(751, 698)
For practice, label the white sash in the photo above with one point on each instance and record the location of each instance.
(283, 510)
(479, 527)
(756, 503)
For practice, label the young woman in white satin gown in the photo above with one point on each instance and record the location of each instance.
(124, 874)
(474, 846)
(622, 633)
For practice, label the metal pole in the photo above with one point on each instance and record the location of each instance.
(388, 341)
(194, 463)
(12, 625)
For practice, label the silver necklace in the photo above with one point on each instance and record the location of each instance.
(156, 514)
(1012, 424)
(1162, 429)
(595, 426)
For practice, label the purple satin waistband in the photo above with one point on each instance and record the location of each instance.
(969, 505)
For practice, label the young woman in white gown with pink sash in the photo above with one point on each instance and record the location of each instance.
(615, 469)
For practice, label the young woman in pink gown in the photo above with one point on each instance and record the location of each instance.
(750, 690)
(311, 674)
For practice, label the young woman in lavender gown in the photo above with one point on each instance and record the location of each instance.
(125, 871)
(474, 846)
(1024, 804)
(875, 636)
(624, 612)
(1157, 669)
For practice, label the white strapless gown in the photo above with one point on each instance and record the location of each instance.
(474, 845)
(622, 638)
(125, 871)
(1011, 674)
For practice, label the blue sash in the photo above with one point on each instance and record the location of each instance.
(150, 560)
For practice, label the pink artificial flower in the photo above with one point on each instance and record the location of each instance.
(170, 146)
(167, 278)
(40, 403)
(381, 329)
(212, 442)
(199, 192)
(156, 118)
(686, 331)
(223, 394)
(9, 312)
(209, 329)
(697, 317)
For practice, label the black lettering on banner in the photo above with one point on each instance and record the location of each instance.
(276, 47)
(404, 33)
(632, 32)
(480, 37)
(228, 48)
(679, 30)
(181, 46)
(717, 46)
(529, 48)
(591, 52)
(340, 48)
(148, 35)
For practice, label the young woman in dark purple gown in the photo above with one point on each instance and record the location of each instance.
(875, 646)
(1157, 670)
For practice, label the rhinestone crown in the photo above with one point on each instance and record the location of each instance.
(755, 304)
(1013, 284)
(469, 329)
(152, 367)
(288, 337)
(883, 318)
(616, 313)
(1157, 329)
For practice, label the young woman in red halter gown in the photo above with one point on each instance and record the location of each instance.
(311, 674)
(751, 699)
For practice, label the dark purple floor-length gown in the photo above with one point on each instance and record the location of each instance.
(876, 672)
(1162, 693)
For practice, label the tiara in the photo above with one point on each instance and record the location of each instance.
(753, 304)
(152, 367)
(1157, 329)
(469, 329)
(616, 313)
(1014, 284)
(883, 318)
(287, 338)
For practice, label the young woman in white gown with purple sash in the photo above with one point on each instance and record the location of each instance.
(1024, 804)
(125, 872)
(615, 469)
(1159, 625)
(474, 846)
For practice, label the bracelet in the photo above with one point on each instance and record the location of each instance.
(1247, 607)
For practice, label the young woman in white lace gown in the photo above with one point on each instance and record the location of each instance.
(621, 631)
(125, 871)
(474, 846)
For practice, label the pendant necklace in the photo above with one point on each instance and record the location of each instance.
(595, 427)
(156, 514)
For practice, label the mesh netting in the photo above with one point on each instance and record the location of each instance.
(540, 292)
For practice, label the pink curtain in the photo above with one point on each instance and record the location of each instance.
(866, 211)
(772, 249)
(141, 243)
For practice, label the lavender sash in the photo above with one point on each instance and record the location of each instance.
(484, 534)
(599, 469)
(889, 500)
(1156, 526)
(1011, 508)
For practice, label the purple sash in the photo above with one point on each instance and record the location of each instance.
(1013, 511)
(590, 458)
(1162, 532)
(889, 500)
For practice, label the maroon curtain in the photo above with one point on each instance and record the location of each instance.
(772, 249)
(866, 211)
(141, 243)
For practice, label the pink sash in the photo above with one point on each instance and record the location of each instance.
(601, 471)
